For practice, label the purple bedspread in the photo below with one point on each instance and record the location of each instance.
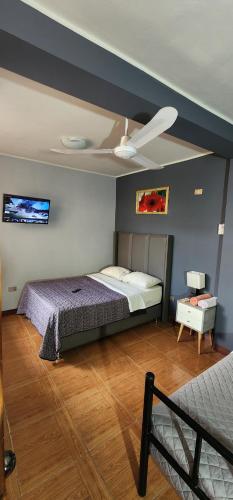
(58, 312)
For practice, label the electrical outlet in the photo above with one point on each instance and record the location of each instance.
(198, 191)
(12, 288)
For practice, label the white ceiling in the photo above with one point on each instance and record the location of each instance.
(34, 117)
(187, 44)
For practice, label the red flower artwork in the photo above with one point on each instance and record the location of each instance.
(152, 202)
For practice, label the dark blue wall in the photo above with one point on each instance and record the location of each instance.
(39, 48)
(193, 220)
(224, 323)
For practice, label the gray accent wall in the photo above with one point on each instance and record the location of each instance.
(224, 323)
(193, 220)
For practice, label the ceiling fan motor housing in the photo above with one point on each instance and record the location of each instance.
(125, 151)
(72, 142)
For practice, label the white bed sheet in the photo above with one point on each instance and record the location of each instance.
(138, 298)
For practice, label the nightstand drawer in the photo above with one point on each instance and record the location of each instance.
(195, 318)
(190, 316)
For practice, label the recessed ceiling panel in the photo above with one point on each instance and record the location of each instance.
(35, 118)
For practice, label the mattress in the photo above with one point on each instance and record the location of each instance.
(138, 298)
(208, 399)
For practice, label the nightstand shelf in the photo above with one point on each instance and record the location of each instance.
(195, 318)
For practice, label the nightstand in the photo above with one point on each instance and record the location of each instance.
(197, 319)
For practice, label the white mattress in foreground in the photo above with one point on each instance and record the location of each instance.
(138, 298)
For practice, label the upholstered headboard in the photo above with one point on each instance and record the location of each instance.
(149, 253)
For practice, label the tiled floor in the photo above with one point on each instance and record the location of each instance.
(75, 424)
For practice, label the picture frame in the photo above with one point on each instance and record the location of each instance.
(152, 201)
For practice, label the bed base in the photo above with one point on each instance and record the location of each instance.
(147, 438)
(135, 319)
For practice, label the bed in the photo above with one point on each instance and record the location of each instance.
(190, 434)
(70, 312)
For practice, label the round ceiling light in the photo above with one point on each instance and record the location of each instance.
(73, 142)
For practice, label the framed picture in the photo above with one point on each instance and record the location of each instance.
(152, 201)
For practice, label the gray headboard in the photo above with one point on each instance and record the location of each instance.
(149, 253)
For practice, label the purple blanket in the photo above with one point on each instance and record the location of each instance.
(62, 307)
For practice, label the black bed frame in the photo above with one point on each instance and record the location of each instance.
(148, 438)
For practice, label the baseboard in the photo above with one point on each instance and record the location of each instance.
(9, 312)
(222, 350)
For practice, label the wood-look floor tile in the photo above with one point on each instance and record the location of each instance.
(72, 356)
(146, 336)
(16, 348)
(66, 484)
(12, 491)
(72, 380)
(117, 460)
(10, 321)
(76, 425)
(198, 363)
(169, 494)
(13, 331)
(129, 391)
(164, 324)
(181, 351)
(31, 400)
(147, 331)
(36, 341)
(97, 416)
(104, 350)
(206, 347)
(41, 449)
(154, 327)
(187, 339)
(126, 338)
(166, 342)
(83, 461)
(169, 376)
(11, 482)
(142, 352)
(22, 369)
(31, 329)
(9, 318)
(107, 369)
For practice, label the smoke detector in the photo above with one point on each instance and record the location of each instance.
(73, 142)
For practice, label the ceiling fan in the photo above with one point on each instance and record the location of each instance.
(128, 147)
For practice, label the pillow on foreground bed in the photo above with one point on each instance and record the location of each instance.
(141, 280)
(116, 272)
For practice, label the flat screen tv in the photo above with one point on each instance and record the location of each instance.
(25, 209)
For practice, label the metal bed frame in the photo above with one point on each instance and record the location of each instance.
(148, 438)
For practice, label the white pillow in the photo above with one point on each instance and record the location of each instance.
(141, 280)
(116, 272)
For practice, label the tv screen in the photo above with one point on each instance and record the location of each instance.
(25, 209)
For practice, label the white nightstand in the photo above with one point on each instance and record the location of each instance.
(195, 318)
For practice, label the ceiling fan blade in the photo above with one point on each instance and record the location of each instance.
(163, 120)
(82, 151)
(126, 126)
(145, 162)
